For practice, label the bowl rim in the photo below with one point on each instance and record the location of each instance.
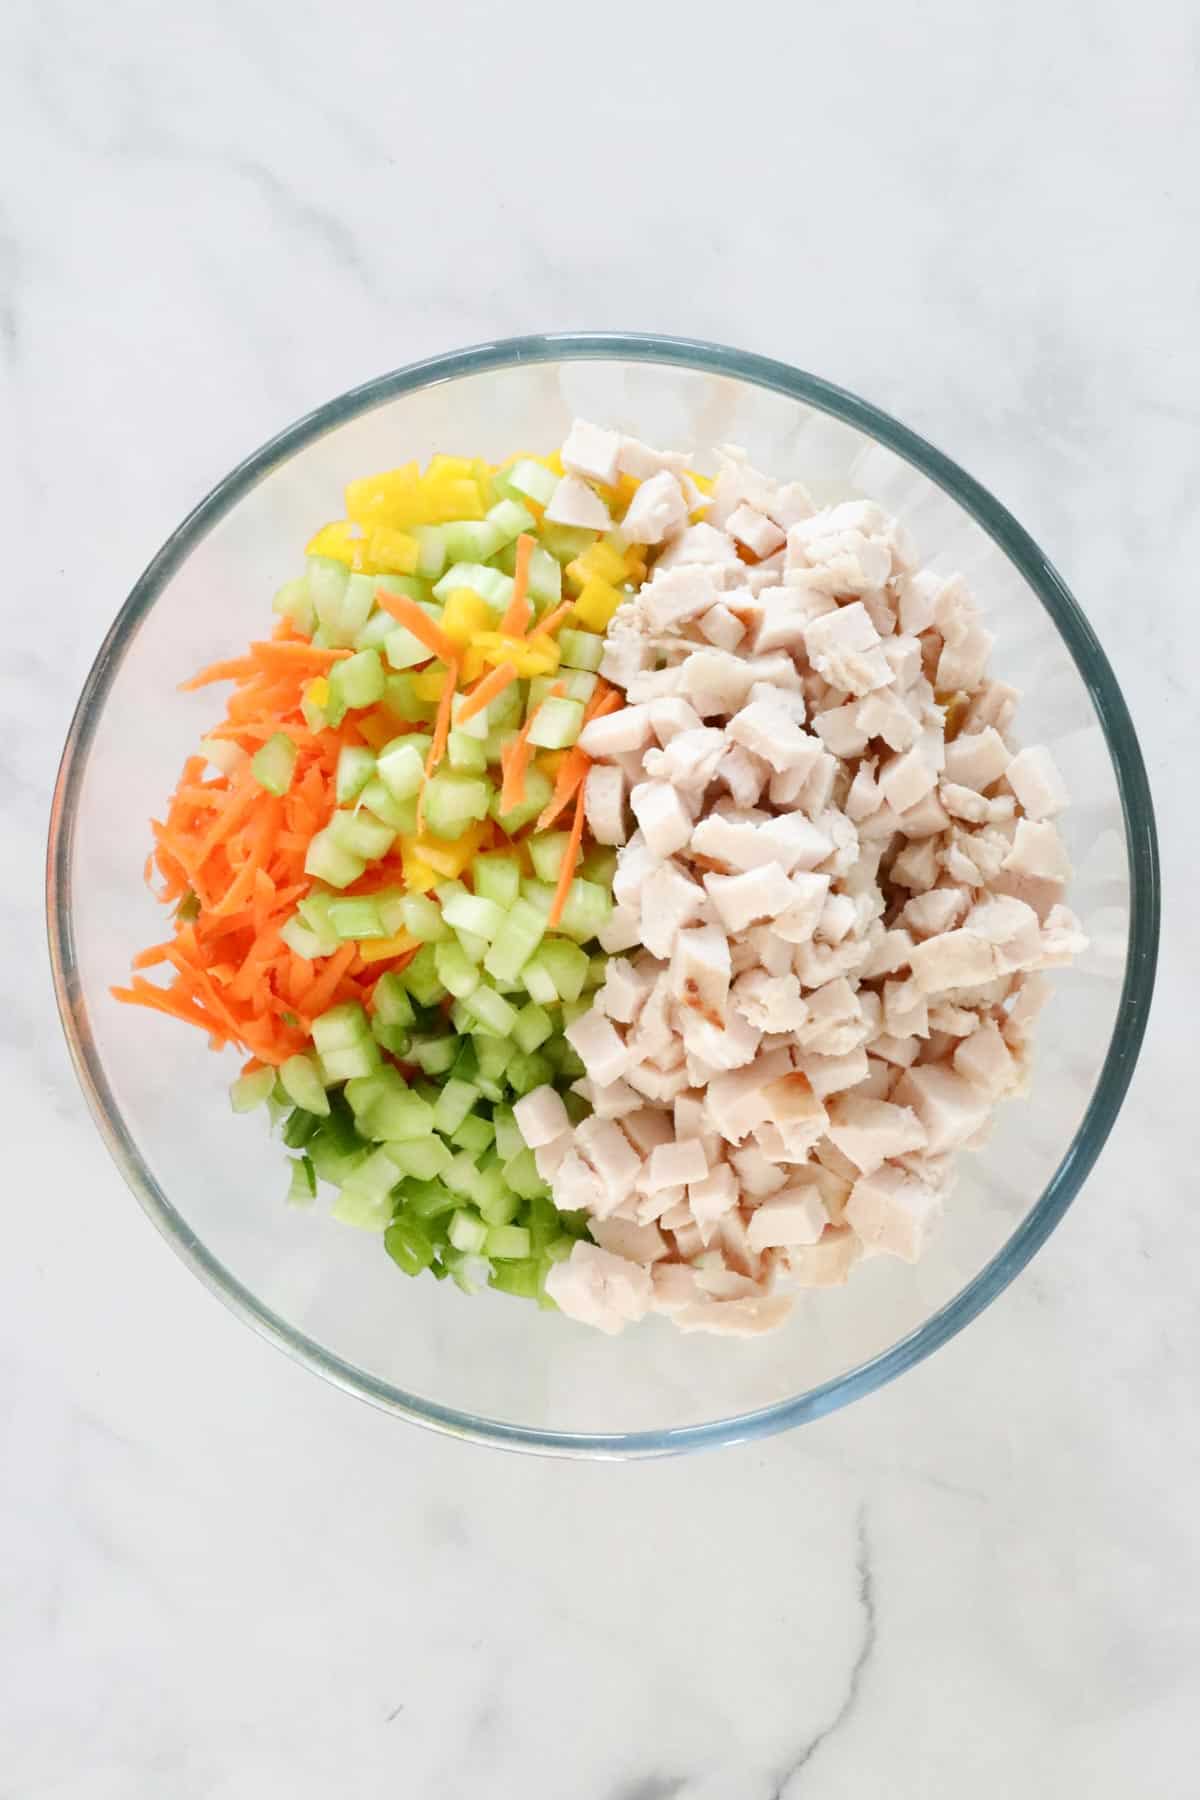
(1084, 649)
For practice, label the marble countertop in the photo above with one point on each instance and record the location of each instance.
(223, 1580)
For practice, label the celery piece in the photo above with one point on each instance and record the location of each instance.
(491, 585)
(510, 519)
(340, 1027)
(474, 947)
(297, 936)
(534, 480)
(538, 983)
(293, 601)
(533, 1026)
(355, 767)
(468, 1231)
(461, 1175)
(356, 918)
(539, 895)
(472, 541)
(526, 1072)
(403, 703)
(431, 549)
(557, 724)
(408, 1244)
(599, 865)
(424, 1197)
(515, 942)
(453, 802)
(392, 1038)
(465, 753)
(507, 1243)
(522, 1278)
(491, 1056)
(497, 877)
(326, 579)
(302, 1187)
(491, 1009)
(249, 1091)
(301, 1127)
(360, 834)
(456, 972)
(399, 1116)
(494, 1198)
(401, 815)
(343, 1065)
(586, 911)
(508, 1135)
(421, 978)
(471, 912)
(538, 789)
(597, 970)
(355, 608)
(434, 1056)
(545, 574)
(376, 632)
(303, 1085)
(546, 850)
(421, 917)
(454, 1103)
(328, 862)
(274, 765)
(401, 764)
(566, 542)
(474, 1135)
(580, 649)
(423, 1159)
(520, 1172)
(403, 649)
(359, 680)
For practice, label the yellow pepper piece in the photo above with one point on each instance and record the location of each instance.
(596, 605)
(450, 497)
(449, 466)
(374, 950)
(465, 615)
(335, 541)
(385, 499)
(317, 692)
(393, 551)
(705, 483)
(429, 683)
(447, 857)
(418, 876)
(473, 664)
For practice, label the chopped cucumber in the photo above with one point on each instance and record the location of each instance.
(401, 764)
(274, 765)
(453, 802)
(360, 835)
(249, 1091)
(491, 585)
(535, 481)
(359, 680)
(355, 767)
(329, 862)
(557, 724)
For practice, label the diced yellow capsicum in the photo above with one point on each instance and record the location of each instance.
(317, 692)
(446, 857)
(374, 950)
(393, 551)
(339, 541)
(464, 616)
(596, 605)
(385, 499)
(429, 683)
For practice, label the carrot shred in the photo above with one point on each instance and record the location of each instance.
(428, 632)
(517, 615)
(554, 619)
(516, 759)
(441, 733)
(486, 690)
(316, 997)
(575, 765)
(566, 874)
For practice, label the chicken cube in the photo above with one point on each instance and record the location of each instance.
(604, 803)
(597, 1288)
(665, 821)
(742, 900)
(573, 502)
(657, 511)
(795, 1215)
(893, 1211)
(592, 452)
(541, 1117)
(870, 1132)
(1034, 779)
(598, 1047)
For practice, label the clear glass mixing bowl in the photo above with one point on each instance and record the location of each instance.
(491, 1368)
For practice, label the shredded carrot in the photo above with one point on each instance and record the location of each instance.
(441, 733)
(518, 756)
(517, 616)
(554, 619)
(573, 769)
(406, 612)
(276, 656)
(566, 874)
(317, 996)
(486, 690)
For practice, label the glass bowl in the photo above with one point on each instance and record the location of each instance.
(491, 1368)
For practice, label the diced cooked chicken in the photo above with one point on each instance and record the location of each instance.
(597, 1288)
(871, 1132)
(591, 451)
(598, 1047)
(689, 760)
(664, 820)
(954, 959)
(977, 759)
(670, 901)
(604, 803)
(541, 1117)
(721, 627)
(657, 510)
(742, 900)
(985, 1059)
(795, 1215)
(701, 544)
(893, 1211)
(1036, 782)
(628, 729)
(573, 502)
(701, 970)
(712, 1196)
(948, 1106)
(827, 1263)
(756, 530)
(642, 461)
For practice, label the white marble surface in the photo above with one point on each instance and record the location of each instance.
(222, 1580)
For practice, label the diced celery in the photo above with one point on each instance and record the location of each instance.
(302, 1188)
(411, 586)
(567, 966)
(422, 919)
(421, 978)
(399, 1116)
(469, 1273)
(401, 764)
(538, 789)
(453, 802)
(355, 766)
(471, 912)
(466, 753)
(491, 1009)
(557, 725)
(507, 1243)
(423, 1159)
(546, 851)
(340, 1027)
(545, 578)
(523, 1278)
(274, 765)
(534, 480)
(539, 984)
(434, 1055)
(425, 1197)
(249, 1091)
(376, 632)
(453, 1104)
(496, 743)
(597, 970)
(526, 1072)
(491, 1055)
(404, 703)
(401, 815)
(477, 725)
(360, 834)
(359, 680)
(586, 910)
(293, 601)
(468, 1231)
(566, 542)
(331, 1162)
(304, 1086)
(599, 865)
(461, 1175)
(375, 1176)
(580, 649)
(497, 877)
(408, 1244)
(356, 918)
(520, 1172)
(510, 519)
(327, 580)
(576, 684)
(533, 1027)
(390, 902)
(344, 1065)
(515, 942)
(508, 708)
(471, 541)
(391, 1001)
(431, 545)
(328, 862)
(474, 1135)
(494, 1198)
(392, 1038)
(403, 649)
(539, 895)
(356, 606)
(491, 585)
(457, 974)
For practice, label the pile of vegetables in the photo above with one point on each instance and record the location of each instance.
(378, 863)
